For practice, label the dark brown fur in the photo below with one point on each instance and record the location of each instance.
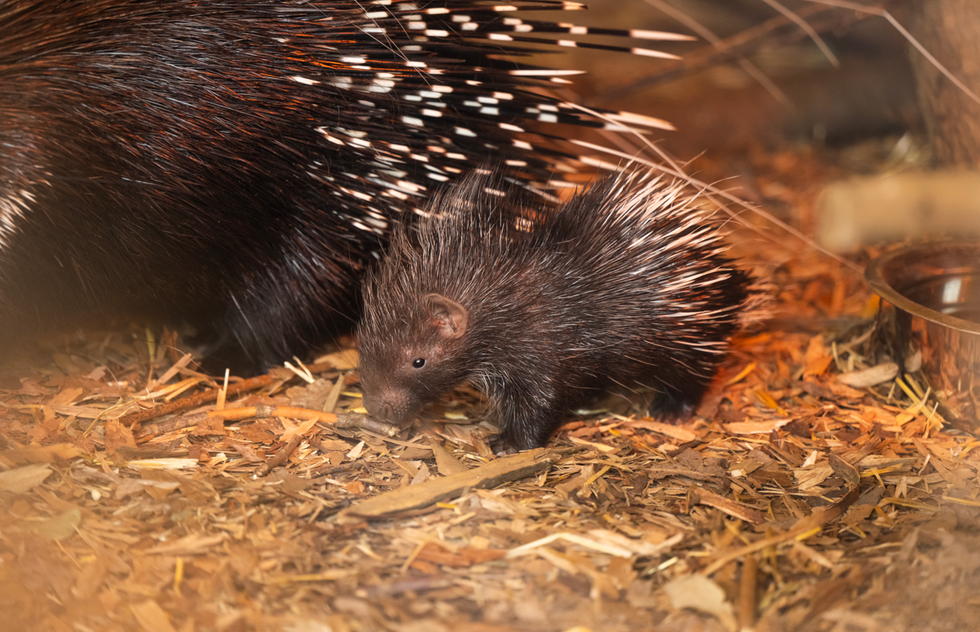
(626, 284)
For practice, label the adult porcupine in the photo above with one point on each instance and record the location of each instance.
(626, 284)
(234, 163)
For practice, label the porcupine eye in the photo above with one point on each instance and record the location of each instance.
(418, 363)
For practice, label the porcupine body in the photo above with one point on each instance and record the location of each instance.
(626, 284)
(233, 164)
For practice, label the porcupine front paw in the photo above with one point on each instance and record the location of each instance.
(529, 430)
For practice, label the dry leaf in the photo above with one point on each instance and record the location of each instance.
(699, 593)
(118, 436)
(151, 617)
(66, 397)
(57, 528)
(42, 454)
(25, 478)
(756, 427)
(341, 360)
(680, 433)
(869, 377)
(444, 461)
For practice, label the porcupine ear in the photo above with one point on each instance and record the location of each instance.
(448, 316)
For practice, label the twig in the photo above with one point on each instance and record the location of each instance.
(264, 412)
(200, 399)
(737, 47)
(193, 401)
(814, 522)
(747, 593)
(280, 456)
(234, 414)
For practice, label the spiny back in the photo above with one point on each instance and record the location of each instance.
(631, 242)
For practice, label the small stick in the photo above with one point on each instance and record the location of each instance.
(280, 456)
(746, 597)
(738, 46)
(814, 522)
(149, 431)
(222, 393)
(233, 414)
(193, 401)
(200, 399)
(264, 412)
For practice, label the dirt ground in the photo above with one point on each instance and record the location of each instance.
(138, 494)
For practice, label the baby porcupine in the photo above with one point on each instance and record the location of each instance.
(625, 284)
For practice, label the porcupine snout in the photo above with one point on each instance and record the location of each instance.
(379, 410)
(386, 406)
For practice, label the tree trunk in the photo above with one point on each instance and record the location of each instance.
(950, 30)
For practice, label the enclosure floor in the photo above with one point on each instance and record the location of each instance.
(788, 502)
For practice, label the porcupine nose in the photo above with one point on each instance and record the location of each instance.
(379, 409)
(387, 413)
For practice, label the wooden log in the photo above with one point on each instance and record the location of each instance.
(950, 30)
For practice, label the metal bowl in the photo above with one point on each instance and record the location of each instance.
(935, 289)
